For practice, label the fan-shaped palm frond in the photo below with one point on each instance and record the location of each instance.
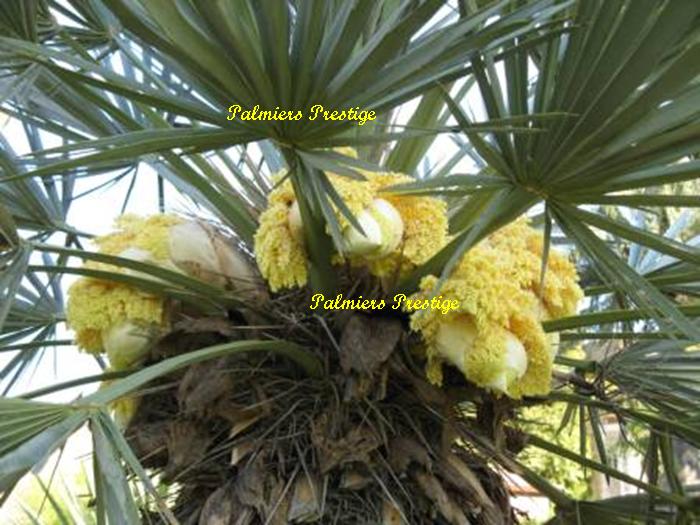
(608, 80)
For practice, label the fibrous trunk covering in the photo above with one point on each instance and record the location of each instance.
(253, 441)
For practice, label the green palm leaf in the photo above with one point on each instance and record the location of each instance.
(606, 77)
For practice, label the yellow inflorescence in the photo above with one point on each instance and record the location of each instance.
(95, 305)
(425, 226)
(561, 292)
(281, 255)
(124, 409)
(497, 284)
(145, 233)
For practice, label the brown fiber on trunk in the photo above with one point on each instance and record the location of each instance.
(250, 440)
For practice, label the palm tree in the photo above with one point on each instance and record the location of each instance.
(255, 409)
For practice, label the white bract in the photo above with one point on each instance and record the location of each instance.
(199, 251)
(364, 242)
(455, 340)
(513, 364)
(390, 223)
(145, 256)
(294, 219)
(126, 344)
(382, 231)
(192, 250)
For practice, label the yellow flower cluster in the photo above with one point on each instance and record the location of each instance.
(280, 250)
(116, 318)
(149, 233)
(496, 337)
(123, 321)
(425, 226)
(95, 306)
